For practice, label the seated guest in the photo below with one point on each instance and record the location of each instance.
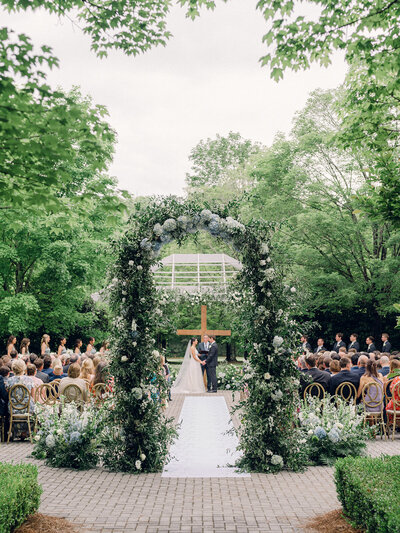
(370, 343)
(339, 342)
(87, 370)
(344, 375)
(394, 376)
(57, 373)
(351, 352)
(19, 368)
(334, 367)
(65, 361)
(361, 365)
(327, 362)
(31, 372)
(320, 362)
(47, 365)
(354, 361)
(354, 344)
(4, 373)
(386, 346)
(385, 365)
(96, 360)
(316, 375)
(320, 346)
(73, 379)
(39, 370)
(342, 351)
(375, 394)
(32, 358)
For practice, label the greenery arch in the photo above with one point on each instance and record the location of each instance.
(268, 437)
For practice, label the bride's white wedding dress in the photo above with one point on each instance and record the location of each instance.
(190, 376)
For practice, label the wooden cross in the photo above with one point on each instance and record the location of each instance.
(203, 330)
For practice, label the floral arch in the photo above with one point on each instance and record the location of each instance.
(268, 438)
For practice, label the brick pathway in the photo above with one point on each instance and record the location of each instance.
(106, 502)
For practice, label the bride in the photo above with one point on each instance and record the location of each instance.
(190, 377)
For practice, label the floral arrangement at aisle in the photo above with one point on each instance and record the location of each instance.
(70, 436)
(332, 428)
(230, 377)
(269, 439)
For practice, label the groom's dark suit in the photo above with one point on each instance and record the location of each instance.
(203, 349)
(211, 367)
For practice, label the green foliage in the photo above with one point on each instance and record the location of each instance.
(132, 26)
(369, 490)
(332, 429)
(141, 389)
(212, 160)
(19, 494)
(69, 436)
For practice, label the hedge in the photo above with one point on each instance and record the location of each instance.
(19, 494)
(369, 490)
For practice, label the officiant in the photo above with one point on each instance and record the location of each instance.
(203, 349)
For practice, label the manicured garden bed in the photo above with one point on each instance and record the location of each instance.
(19, 494)
(369, 490)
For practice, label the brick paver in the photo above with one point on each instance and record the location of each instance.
(107, 502)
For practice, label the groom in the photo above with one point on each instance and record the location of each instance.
(211, 365)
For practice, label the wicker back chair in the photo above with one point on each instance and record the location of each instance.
(394, 413)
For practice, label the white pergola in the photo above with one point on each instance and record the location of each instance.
(196, 272)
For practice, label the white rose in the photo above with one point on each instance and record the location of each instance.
(124, 359)
(267, 375)
(138, 464)
(139, 267)
(293, 289)
(278, 341)
(131, 262)
(142, 457)
(155, 354)
(263, 262)
(269, 294)
(264, 248)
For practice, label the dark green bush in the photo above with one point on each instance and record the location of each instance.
(369, 490)
(19, 494)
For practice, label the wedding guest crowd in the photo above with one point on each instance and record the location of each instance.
(347, 364)
(66, 366)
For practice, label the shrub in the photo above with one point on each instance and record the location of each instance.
(69, 437)
(332, 429)
(369, 490)
(19, 494)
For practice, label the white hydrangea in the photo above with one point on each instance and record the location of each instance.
(157, 229)
(270, 274)
(50, 441)
(169, 225)
(277, 341)
(137, 392)
(276, 460)
(206, 215)
(264, 248)
(183, 220)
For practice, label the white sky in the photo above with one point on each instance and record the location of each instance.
(206, 81)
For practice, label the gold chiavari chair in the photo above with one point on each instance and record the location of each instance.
(373, 400)
(347, 391)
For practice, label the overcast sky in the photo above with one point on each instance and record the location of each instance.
(206, 81)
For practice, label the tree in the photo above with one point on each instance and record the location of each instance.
(214, 160)
(45, 135)
(345, 262)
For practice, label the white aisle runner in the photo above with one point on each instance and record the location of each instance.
(203, 449)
